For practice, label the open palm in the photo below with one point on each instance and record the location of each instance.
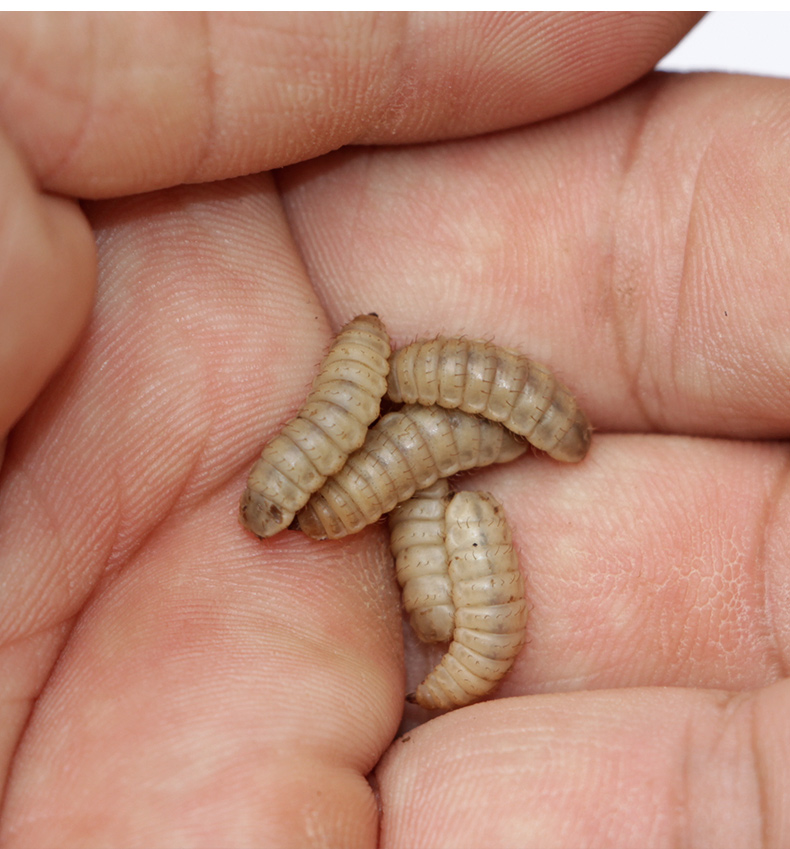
(169, 680)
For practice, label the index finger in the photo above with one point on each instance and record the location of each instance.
(639, 248)
(111, 104)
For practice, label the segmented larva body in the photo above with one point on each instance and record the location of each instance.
(403, 452)
(500, 384)
(344, 401)
(490, 605)
(417, 540)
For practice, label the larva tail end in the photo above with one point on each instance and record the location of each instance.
(574, 446)
(309, 525)
(260, 516)
(428, 698)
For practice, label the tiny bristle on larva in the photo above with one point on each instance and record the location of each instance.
(497, 383)
(333, 422)
(487, 590)
(404, 451)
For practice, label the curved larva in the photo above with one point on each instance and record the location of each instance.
(345, 399)
(403, 452)
(490, 604)
(500, 384)
(418, 545)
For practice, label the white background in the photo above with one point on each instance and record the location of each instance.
(745, 42)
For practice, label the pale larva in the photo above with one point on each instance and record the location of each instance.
(418, 545)
(490, 605)
(500, 384)
(403, 452)
(345, 399)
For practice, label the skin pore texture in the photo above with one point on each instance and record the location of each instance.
(169, 680)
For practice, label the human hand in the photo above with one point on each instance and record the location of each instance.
(170, 680)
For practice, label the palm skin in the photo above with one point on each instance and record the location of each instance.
(169, 680)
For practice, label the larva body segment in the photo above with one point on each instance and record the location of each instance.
(497, 383)
(345, 399)
(417, 540)
(403, 452)
(490, 604)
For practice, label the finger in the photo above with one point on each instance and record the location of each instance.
(46, 285)
(104, 105)
(658, 561)
(178, 380)
(629, 768)
(639, 248)
(117, 489)
(247, 688)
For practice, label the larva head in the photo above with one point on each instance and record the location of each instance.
(261, 516)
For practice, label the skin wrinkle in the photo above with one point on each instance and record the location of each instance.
(88, 100)
(112, 561)
(731, 710)
(674, 344)
(762, 793)
(314, 266)
(674, 347)
(70, 582)
(771, 517)
(759, 767)
(44, 516)
(689, 747)
(66, 626)
(22, 62)
(681, 794)
(375, 789)
(629, 369)
(209, 89)
(755, 764)
(635, 369)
